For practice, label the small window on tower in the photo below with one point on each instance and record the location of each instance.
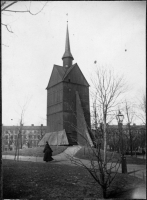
(69, 80)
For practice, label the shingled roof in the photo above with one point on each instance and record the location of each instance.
(60, 74)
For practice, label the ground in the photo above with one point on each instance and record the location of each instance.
(84, 153)
(31, 180)
(36, 151)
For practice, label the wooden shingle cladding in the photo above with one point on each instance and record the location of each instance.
(55, 107)
(61, 99)
(56, 76)
(69, 99)
(55, 95)
(84, 134)
(75, 75)
(55, 122)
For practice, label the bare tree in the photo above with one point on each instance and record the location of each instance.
(113, 138)
(142, 108)
(95, 117)
(8, 7)
(102, 174)
(19, 130)
(130, 114)
(19, 136)
(96, 114)
(99, 171)
(108, 88)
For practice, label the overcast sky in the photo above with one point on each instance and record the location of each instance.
(112, 33)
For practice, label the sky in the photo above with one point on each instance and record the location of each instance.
(110, 32)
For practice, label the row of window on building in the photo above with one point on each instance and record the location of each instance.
(28, 136)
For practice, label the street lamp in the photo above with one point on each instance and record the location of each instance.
(120, 118)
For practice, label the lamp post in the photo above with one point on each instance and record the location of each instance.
(120, 118)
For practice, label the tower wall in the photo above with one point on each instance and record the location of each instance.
(55, 108)
(67, 62)
(69, 103)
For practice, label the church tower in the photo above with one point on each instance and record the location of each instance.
(68, 106)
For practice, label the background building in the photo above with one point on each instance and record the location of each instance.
(134, 137)
(29, 136)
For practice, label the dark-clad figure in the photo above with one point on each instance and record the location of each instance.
(47, 153)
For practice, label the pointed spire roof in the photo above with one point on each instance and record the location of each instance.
(67, 53)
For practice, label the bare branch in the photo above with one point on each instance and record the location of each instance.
(6, 25)
(18, 11)
(5, 45)
(142, 108)
(4, 8)
(108, 89)
(97, 168)
(26, 11)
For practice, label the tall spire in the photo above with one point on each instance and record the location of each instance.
(67, 57)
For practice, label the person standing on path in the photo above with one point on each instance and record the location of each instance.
(47, 153)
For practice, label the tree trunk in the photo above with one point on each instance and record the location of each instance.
(131, 147)
(104, 192)
(105, 141)
(21, 141)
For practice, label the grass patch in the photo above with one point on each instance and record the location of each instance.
(29, 180)
(87, 153)
(135, 160)
(134, 153)
(36, 151)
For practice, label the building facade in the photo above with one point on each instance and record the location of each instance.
(28, 136)
(134, 137)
